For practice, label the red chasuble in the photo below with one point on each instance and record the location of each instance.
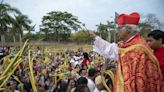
(138, 69)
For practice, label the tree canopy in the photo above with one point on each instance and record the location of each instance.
(61, 24)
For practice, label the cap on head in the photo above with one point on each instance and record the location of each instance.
(133, 19)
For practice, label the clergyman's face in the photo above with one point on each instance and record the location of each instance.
(122, 32)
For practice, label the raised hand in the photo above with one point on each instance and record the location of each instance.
(91, 33)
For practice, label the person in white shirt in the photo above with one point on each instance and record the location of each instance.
(76, 60)
(91, 77)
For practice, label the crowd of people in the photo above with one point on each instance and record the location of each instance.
(134, 64)
(65, 71)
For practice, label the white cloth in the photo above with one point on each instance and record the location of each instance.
(96, 90)
(75, 60)
(91, 85)
(1, 53)
(106, 49)
(16, 91)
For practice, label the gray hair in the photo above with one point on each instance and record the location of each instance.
(134, 28)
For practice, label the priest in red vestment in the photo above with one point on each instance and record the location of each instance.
(138, 69)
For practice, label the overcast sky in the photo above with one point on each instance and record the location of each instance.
(90, 12)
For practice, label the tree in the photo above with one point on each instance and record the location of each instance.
(152, 20)
(145, 28)
(60, 24)
(80, 37)
(104, 29)
(149, 23)
(6, 18)
(20, 24)
(46, 32)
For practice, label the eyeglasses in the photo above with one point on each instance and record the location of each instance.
(119, 28)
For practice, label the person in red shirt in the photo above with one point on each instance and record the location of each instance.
(156, 41)
(85, 61)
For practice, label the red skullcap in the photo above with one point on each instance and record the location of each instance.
(133, 18)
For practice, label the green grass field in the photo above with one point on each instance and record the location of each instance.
(55, 46)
